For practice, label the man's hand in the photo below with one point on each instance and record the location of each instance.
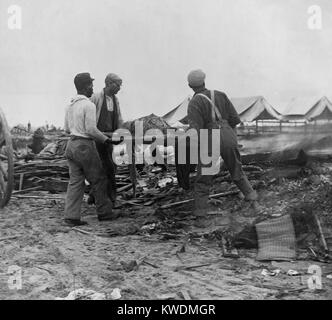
(111, 141)
(108, 142)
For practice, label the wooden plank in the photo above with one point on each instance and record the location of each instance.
(8, 238)
(124, 188)
(42, 197)
(321, 234)
(185, 295)
(21, 181)
(26, 190)
(213, 196)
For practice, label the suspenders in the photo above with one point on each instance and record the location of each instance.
(215, 111)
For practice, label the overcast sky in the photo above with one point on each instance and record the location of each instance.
(246, 47)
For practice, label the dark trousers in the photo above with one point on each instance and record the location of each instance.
(105, 154)
(84, 163)
(231, 156)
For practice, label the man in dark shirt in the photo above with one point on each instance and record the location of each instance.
(109, 119)
(213, 110)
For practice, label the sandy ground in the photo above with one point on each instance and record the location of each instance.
(56, 259)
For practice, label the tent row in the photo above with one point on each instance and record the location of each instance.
(257, 108)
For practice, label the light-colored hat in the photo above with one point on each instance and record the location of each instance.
(112, 77)
(196, 78)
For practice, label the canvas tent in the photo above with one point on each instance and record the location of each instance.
(179, 125)
(322, 110)
(250, 109)
(308, 109)
(255, 108)
(178, 114)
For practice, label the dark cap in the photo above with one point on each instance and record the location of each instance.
(82, 79)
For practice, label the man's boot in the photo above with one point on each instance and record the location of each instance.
(109, 216)
(75, 222)
(250, 195)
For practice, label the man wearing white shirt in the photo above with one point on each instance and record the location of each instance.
(83, 158)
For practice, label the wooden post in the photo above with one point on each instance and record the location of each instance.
(21, 181)
(256, 126)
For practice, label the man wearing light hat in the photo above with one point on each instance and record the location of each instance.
(213, 110)
(109, 119)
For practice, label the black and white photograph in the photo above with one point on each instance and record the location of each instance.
(175, 151)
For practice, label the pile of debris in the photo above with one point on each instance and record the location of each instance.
(149, 122)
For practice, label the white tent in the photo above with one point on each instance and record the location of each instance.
(322, 110)
(179, 125)
(178, 114)
(303, 108)
(255, 108)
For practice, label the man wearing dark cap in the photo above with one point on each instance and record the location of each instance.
(81, 153)
(109, 119)
(213, 110)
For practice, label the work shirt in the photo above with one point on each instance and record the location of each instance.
(199, 110)
(80, 119)
(110, 103)
(113, 109)
(108, 118)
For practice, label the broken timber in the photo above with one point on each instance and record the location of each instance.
(213, 196)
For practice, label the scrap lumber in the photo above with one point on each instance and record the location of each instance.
(53, 175)
(132, 202)
(185, 295)
(26, 190)
(8, 238)
(194, 266)
(203, 264)
(21, 181)
(213, 196)
(83, 231)
(124, 188)
(37, 197)
(326, 248)
(151, 264)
